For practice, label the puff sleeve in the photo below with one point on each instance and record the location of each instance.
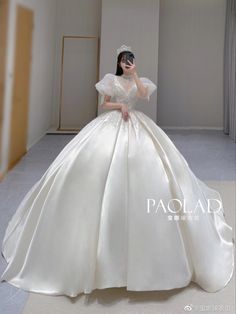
(151, 86)
(105, 86)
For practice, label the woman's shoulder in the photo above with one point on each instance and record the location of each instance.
(144, 78)
(105, 85)
(108, 78)
(147, 80)
(109, 75)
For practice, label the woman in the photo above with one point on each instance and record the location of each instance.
(119, 206)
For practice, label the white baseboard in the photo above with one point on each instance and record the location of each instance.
(191, 128)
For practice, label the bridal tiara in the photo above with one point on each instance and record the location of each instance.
(123, 48)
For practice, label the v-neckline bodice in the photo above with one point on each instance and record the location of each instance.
(123, 87)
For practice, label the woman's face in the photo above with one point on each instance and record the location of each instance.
(124, 66)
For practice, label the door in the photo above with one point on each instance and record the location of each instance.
(21, 85)
(4, 10)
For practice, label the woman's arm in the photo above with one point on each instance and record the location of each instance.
(115, 105)
(142, 90)
(110, 105)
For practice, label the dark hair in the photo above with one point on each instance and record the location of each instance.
(119, 70)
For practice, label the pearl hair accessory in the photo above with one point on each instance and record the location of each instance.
(123, 48)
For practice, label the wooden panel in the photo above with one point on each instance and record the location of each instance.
(21, 85)
(4, 10)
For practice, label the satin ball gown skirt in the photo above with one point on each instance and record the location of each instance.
(94, 218)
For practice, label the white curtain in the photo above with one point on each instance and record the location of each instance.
(230, 71)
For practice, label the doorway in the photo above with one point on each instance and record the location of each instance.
(21, 85)
(4, 15)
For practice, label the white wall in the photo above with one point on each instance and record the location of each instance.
(135, 24)
(191, 46)
(189, 59)
(74, 18)
(41, 84)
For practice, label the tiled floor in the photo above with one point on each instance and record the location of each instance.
(210, 154)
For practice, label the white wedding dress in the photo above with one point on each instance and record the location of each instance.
(93, 220)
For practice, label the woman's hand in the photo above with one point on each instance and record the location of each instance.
(132, 67)
(124, 111)
(142, 91)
